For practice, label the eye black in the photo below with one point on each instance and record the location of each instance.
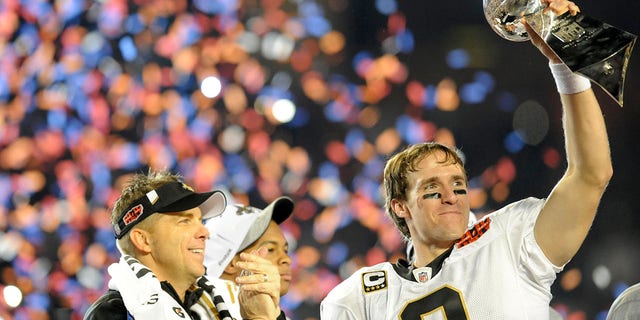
(435, 195)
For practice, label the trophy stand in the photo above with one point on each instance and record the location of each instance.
(593, 49)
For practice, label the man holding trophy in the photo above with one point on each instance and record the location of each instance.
(503, 266)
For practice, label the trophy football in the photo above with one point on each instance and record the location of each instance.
(587, 46)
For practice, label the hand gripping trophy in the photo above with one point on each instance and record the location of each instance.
(587, 46)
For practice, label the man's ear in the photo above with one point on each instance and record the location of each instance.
(400, 208)
(140, 240)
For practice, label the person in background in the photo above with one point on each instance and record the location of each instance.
(158, 226)
(245, 229)
(627, 305)
(503, 267)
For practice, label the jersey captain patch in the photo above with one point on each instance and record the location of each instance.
(374, 281)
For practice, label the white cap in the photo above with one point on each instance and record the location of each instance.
(237, 228)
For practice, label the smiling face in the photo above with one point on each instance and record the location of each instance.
(437, 207)
(176, 245)
(277, 252)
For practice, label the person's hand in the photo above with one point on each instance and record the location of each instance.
(560, 6)
(541, 44)
(259, 282)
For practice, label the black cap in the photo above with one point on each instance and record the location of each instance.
(171, 197)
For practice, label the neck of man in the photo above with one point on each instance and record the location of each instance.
(426, 253)
(179, 283)
(181, 290)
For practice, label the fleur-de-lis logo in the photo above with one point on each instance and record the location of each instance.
(240, 210)
(187, 187)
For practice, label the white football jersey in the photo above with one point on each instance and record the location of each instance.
(496, 271)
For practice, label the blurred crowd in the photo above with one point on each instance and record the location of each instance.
(257, 98)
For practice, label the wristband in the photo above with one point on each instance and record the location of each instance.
(568, 82)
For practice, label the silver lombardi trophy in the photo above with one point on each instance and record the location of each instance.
(587, 46)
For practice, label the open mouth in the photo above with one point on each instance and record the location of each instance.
(197, 251)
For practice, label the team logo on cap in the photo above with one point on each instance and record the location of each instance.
(240, 210)
(133, 214)
(374, 281)
(187, 187)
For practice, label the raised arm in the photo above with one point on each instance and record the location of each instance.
(571, 207)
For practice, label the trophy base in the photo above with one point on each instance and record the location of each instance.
(594, 49)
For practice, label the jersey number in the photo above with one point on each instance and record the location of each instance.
(446, 300)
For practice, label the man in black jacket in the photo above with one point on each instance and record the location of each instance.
(158, 226)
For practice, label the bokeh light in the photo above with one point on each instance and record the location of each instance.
(283, 110)
(12, 296)
(601, 276)
(211, 87)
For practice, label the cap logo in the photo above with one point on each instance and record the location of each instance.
(187, 187)
(133, 214)
(240, 210)
(153, 196)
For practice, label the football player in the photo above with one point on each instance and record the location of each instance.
(504, 265)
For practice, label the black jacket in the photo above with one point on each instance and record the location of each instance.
(110, 305)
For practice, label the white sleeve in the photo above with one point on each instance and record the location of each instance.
(330, 310)
(518, 222)
(344, 301)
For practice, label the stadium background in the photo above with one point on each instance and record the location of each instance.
(266, 98)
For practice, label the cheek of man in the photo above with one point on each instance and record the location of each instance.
(433, 221)
(179, 248)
